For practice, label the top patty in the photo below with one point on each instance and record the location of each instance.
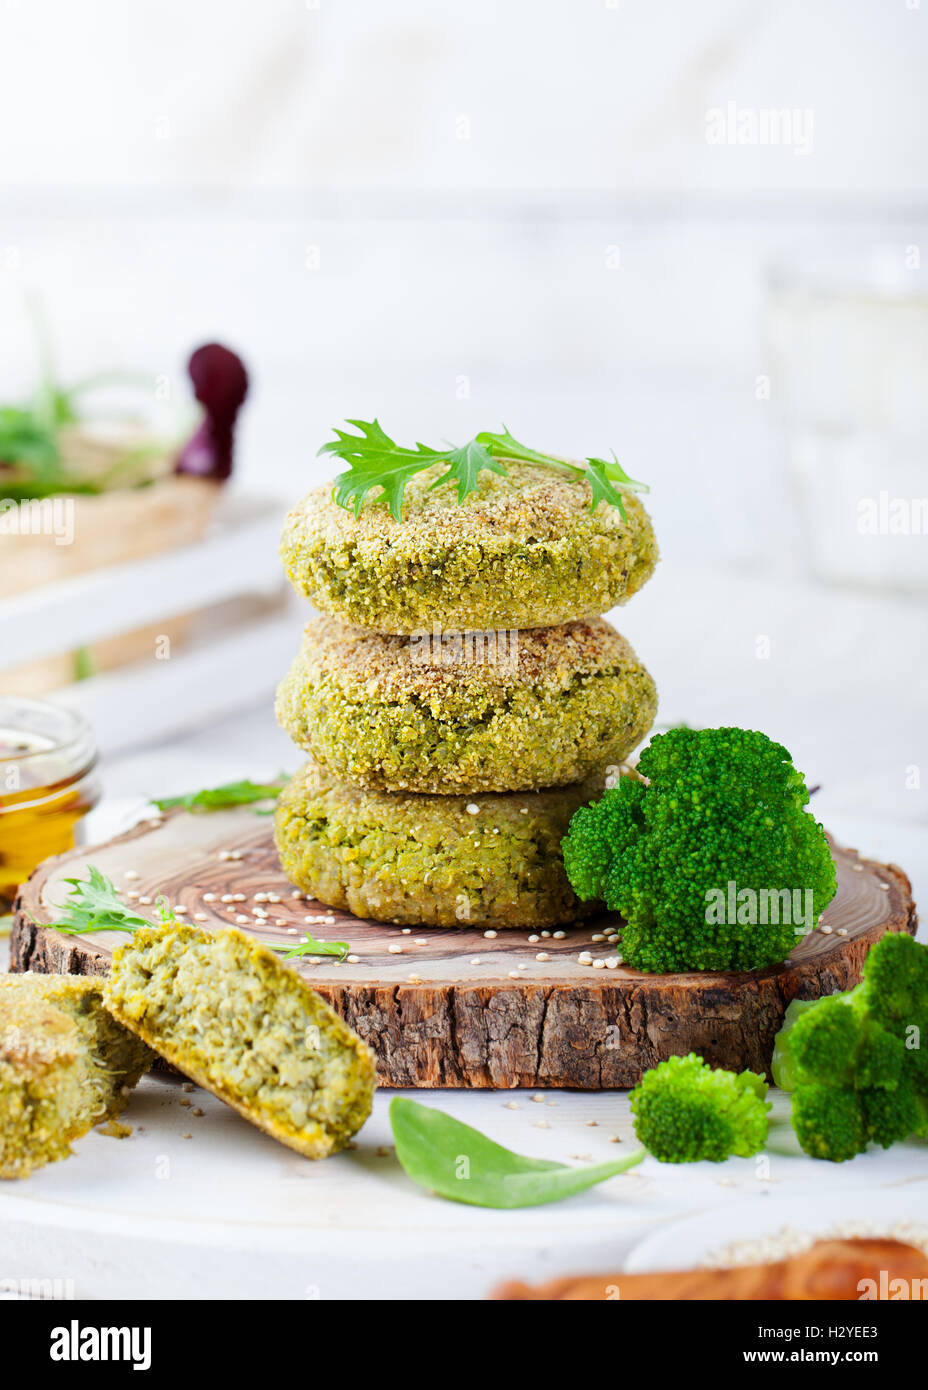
(523, 551)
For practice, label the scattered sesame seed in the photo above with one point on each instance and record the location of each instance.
(227, 898)
(542, 956)
(559, 935)
(546, 933)
(130, 873)
(422, 941)
(826, 930)
(201, 917)
(145, 901)
(395, 950)
(840, 931)
(489, 935)
(353, 960)
(407, 931)
(472, 808)
(280, 921)
(523, 810)
(599, 965)
(197, 1111)
(884, 887)
(238, 897)
(475, 960)
(273, 897)
(293, 931)
(538, 1097)
(533, 939)
(513, 974)
(242, 920)
(612, 963)
(513, 1105)
(591, 1124)
(414, 979)
(522, 966)
(209, 897)
(179, 909)
(542, 1124)
(296, 893)
(598, 936)
(260, 897)
(132, 897)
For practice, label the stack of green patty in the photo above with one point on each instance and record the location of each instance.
(461, 698)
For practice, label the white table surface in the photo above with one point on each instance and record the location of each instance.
(228, 1213)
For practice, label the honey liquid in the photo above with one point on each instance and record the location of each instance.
(38, 811)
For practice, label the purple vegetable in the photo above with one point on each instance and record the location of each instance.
(220, 384)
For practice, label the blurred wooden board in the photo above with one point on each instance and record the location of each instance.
(466, 1021)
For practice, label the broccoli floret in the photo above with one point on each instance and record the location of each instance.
(719, 807)
(686, 1111)
(854, 1061)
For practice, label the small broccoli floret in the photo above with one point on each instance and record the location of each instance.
(713, 862)
(853, 1061)
(686, 1111)
(829, 1122)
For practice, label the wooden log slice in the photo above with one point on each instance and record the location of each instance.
(457, 1008)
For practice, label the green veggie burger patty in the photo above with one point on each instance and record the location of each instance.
(473, 713)
(221, 1007)
(492, 860)
(65, 1065)
(523, 551)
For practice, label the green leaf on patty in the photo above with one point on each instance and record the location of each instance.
(460, 1163)
(375, 461)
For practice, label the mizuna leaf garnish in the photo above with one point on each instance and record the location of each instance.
(460, 1163)
(376, 461)
(242, 793)
(93, 905)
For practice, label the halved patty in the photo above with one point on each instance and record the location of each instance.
(466, 712)
(225, 1011)
(523, 551)
(491, 860)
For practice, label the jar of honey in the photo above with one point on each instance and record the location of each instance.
(47, 783)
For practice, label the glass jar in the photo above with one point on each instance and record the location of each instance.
(47, 784)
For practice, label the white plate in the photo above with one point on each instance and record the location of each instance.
(688, 1243)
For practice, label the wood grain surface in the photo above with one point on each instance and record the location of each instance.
(453, 1007)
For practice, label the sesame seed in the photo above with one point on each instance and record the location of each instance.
(612, 963)
(132, 896)
(472, 808)
(884, 887)
(538, 1097)
(475, 960)
(523, 810)
(227, 898)
(260, 897)
(293, 931)
(179, 908)
(145, 901)
(542, 956)
(201, 917)
(559, 935)
(407, 931)
(422, 941)
(296, 893)
(414, 979)
(513, 1105)
(209, 897)
(599, 965)
(353, 960)
(130, 874)
(513, 974)
(242, 920)
(489, 935)
(273, 897)
(542, 1124)
(840, 931)
(238, 897)
(826, 930)
(546, 933)
(280, 921)
(598, 936)
(395, 950)
(522, 966)
(533, 939)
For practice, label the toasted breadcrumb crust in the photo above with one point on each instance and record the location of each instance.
(466, 712)
(224, 1010)
(420, 860)
(523, 551)
(65, 1065)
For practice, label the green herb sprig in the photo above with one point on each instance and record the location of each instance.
(376, 461)
(460, 1163)
(243, 793)
(94, 905)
